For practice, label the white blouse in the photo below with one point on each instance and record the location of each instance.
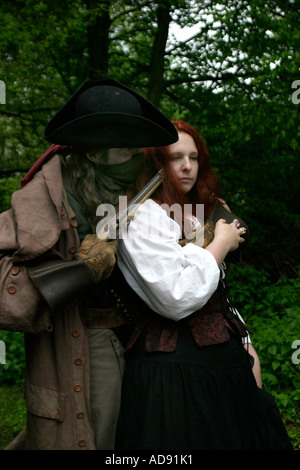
(172, 280)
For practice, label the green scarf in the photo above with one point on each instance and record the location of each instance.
(123, 173)
(112, 180)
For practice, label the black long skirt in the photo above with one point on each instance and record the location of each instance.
(196, 399)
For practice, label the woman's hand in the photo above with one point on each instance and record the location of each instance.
(229, 234)
(227, 238)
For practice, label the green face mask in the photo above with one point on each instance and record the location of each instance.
(123, 173)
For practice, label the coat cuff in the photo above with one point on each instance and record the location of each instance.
(60, 281)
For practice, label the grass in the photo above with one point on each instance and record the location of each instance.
(12, 413)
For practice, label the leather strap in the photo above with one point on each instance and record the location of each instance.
(103, 317)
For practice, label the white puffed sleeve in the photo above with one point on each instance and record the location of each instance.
(174, 281)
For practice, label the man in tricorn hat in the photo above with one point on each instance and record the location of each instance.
(59, 283)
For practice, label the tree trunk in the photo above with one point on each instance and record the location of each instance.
(156, 82)
(97, 38)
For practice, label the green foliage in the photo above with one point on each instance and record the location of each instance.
(7, 187)
(13, 371)
(12, 413)
(12, 375)
(272, 312)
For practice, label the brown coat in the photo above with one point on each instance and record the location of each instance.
(57, 355)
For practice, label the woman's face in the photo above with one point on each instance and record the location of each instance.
(184, 161)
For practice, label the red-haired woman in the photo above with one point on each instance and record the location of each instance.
(188, 381)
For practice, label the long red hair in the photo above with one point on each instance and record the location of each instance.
(206, 188)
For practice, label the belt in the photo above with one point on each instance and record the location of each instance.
(103, 317)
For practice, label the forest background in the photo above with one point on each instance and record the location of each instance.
(231, 69)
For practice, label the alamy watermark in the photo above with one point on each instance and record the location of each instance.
(296, 354)
(2, 92)
(153, 223)
(296, 94)
(2, 352)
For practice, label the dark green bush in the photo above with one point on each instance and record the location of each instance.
(272, 312)
(13, 371)
(7, 187)
(12, 413)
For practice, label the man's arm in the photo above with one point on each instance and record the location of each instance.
(59, 280)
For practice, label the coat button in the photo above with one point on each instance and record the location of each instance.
(77, 388)
(78, 362)
(75, 333)
(74, 222)
(72, 250)
(12, 289)
(80, 415)
(82, 443)
(59, 416)
(15, 270)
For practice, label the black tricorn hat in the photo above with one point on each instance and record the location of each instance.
(107, 114)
